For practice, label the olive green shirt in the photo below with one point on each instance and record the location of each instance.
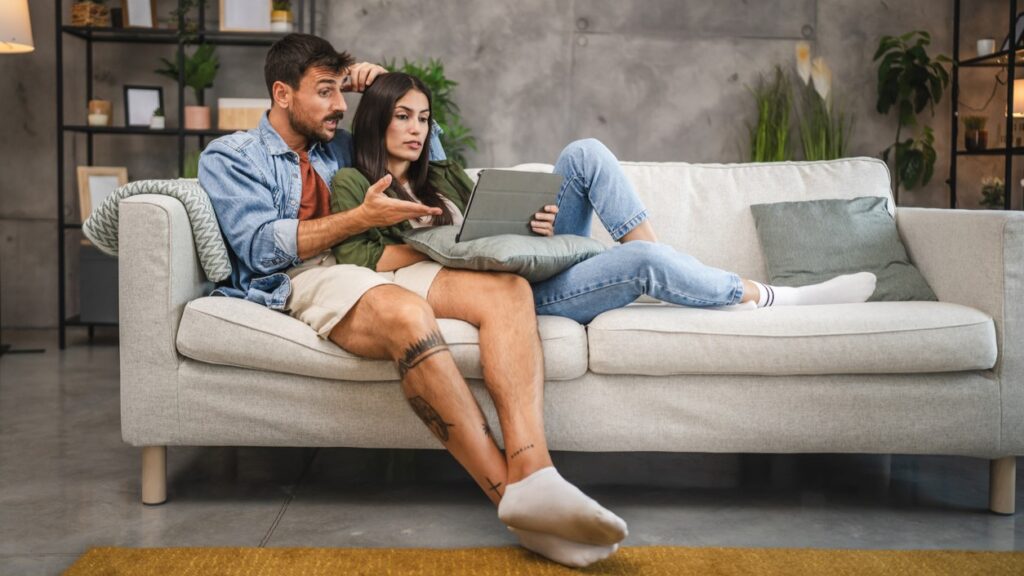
(348, 189)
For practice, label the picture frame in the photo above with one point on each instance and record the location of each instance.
(95, 183)
(245, 15)
(138, 13)
(140, 102)
(1018, 32)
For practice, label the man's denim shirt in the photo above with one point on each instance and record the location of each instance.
(253, 181)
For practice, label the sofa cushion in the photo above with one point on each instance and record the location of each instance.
(868, 338)
(815, 240)
(236, 332)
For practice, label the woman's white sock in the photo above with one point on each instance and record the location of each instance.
(546, 502)
(567, 552)
(845, 289)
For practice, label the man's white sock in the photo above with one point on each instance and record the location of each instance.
(546, 502)
(845, 289)
(567, 552)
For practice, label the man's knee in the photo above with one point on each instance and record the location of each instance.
(398, 312)
(509, 293)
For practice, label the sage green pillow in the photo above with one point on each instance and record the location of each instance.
(809, 242)
(535, 258)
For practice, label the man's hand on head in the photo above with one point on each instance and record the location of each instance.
(378, 209)
(361, 75)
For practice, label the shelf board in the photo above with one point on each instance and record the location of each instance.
(168, 36)
(1018, 151)
(142, 130)
(994, 60)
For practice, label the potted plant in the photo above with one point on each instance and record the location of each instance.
(157, 122)
(910, 81)
(90, 13)
(992, 191)
(200, 70)
(769, 138)
(281, 17)
(975, 135)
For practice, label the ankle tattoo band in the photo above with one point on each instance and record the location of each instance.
(421, 350)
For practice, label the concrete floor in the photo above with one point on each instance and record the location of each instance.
(67, 483)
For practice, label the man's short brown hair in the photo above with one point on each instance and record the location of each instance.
(290, 57)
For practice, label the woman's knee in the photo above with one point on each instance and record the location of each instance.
(586, 147)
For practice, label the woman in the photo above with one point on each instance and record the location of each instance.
(390, 128)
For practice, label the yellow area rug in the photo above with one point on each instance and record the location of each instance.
(645, 561)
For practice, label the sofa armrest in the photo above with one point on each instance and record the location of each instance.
(976, 258)
(159, 272)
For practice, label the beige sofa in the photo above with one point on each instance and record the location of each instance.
(886, 377)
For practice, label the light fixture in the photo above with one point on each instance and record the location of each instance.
(15, 27)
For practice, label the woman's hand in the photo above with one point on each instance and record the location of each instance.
(361, 75)
(543, 222)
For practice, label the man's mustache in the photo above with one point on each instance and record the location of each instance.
(339, 116)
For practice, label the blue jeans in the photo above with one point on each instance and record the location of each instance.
(594, 182)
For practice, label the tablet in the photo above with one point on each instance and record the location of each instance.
(505, 201)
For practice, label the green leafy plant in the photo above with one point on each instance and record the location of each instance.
(769, 138)
(824, 124)
(191, 167)
(282, 5)
(159, 111)
(200, 70)
(181, 16)
(992, 192)
(975, 122)
(910, 81)
(456, 137)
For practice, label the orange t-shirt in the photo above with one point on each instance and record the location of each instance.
(316, 196)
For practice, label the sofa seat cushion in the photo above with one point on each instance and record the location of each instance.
(869, 338)
(235, 332)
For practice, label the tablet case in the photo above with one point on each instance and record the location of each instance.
(504, 202)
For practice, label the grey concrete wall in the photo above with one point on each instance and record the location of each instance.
(654, 79)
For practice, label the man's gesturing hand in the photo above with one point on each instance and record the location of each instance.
(379, 209)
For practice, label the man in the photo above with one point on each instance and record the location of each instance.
(269, 189)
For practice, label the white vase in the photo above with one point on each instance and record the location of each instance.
(157, 123)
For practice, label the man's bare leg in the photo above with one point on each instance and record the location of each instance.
(391, 322)
(536, 497)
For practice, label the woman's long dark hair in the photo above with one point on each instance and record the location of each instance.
(369, 132)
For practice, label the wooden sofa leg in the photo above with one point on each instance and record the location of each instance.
(1002, 481)
(154, 475)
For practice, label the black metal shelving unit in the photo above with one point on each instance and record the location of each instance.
(1010, 60)
(306, 17)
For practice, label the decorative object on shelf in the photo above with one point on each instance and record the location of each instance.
(140, 102)
(992, 193)
(1018, 34)
(100, 112)
(95, 183)
(824, 126)
(245, 15)
(910, 81)
(15, 27)
(975, 135)
(986, 46)
(769, 138)
(200, 70)
(182, 14)
(116, 18)
(138, 13)
(456, 138)
(90, 13)
(158, 122)
(240, 113)
(281, 17)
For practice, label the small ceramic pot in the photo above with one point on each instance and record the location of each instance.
(197, 117)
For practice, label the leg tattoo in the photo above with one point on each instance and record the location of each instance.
(421, 350)
(430, 417)
(520, 451)
(494, 487)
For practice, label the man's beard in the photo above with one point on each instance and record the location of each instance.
(312, 131)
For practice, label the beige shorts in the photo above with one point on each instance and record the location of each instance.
(323, 291)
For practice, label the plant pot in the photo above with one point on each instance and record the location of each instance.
(90, 14)
(281, 21)
(100, 112)
(157, 123)
(975, 140)
(197, 117)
